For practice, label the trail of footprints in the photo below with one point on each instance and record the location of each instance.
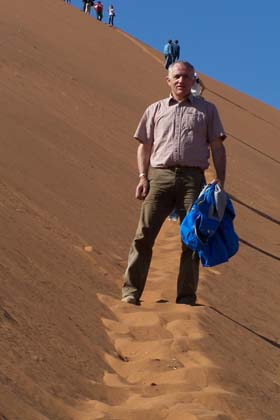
(156, 369)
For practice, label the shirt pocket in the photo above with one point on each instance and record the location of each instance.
(194, 125)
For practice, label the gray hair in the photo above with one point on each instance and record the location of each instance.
(184, 63)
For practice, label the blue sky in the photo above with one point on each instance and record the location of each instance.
(235, 42)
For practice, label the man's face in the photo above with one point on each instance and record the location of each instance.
(180, 81)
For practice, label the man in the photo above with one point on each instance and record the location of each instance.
(175, 135)
(176, 51)
(168, 53)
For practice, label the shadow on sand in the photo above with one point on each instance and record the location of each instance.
(268, 340)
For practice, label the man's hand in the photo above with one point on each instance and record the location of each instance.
(142, 188)
(217, 181)
(143, 161)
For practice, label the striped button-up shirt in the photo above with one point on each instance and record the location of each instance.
(180, 132)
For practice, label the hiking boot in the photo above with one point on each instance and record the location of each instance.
(130, 299)
(186, 301)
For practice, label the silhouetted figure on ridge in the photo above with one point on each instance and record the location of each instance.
(168, 53)
(175, 51)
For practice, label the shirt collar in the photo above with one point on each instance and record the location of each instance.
(172, 101)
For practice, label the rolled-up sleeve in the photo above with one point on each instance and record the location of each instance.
(215, 127)
(145, 130)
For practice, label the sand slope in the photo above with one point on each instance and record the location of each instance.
(72, 92)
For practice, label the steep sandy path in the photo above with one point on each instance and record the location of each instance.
(177, 362)
(158, 371)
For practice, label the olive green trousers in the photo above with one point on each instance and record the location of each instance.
(170, 188)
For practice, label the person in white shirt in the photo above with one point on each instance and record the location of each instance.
(111, 15)
(198, 86)
(88, 4)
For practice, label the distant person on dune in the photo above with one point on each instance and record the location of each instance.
(175, 51)
(175, 137)
(198, 86)
(89, 4)
(168, 54)
(67, 1)
(84, 5)
(99, 10)
(112, 15)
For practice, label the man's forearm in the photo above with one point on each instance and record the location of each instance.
(143, 161)
(219, 159)
(143, 158)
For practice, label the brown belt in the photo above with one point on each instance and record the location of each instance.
(180, 168)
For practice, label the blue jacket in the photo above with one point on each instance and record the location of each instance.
(208, 227)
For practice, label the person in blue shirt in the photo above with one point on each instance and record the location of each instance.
(168, 54)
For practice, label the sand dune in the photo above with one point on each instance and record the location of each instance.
(72, 92)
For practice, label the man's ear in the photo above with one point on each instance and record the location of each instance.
(167, 78)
